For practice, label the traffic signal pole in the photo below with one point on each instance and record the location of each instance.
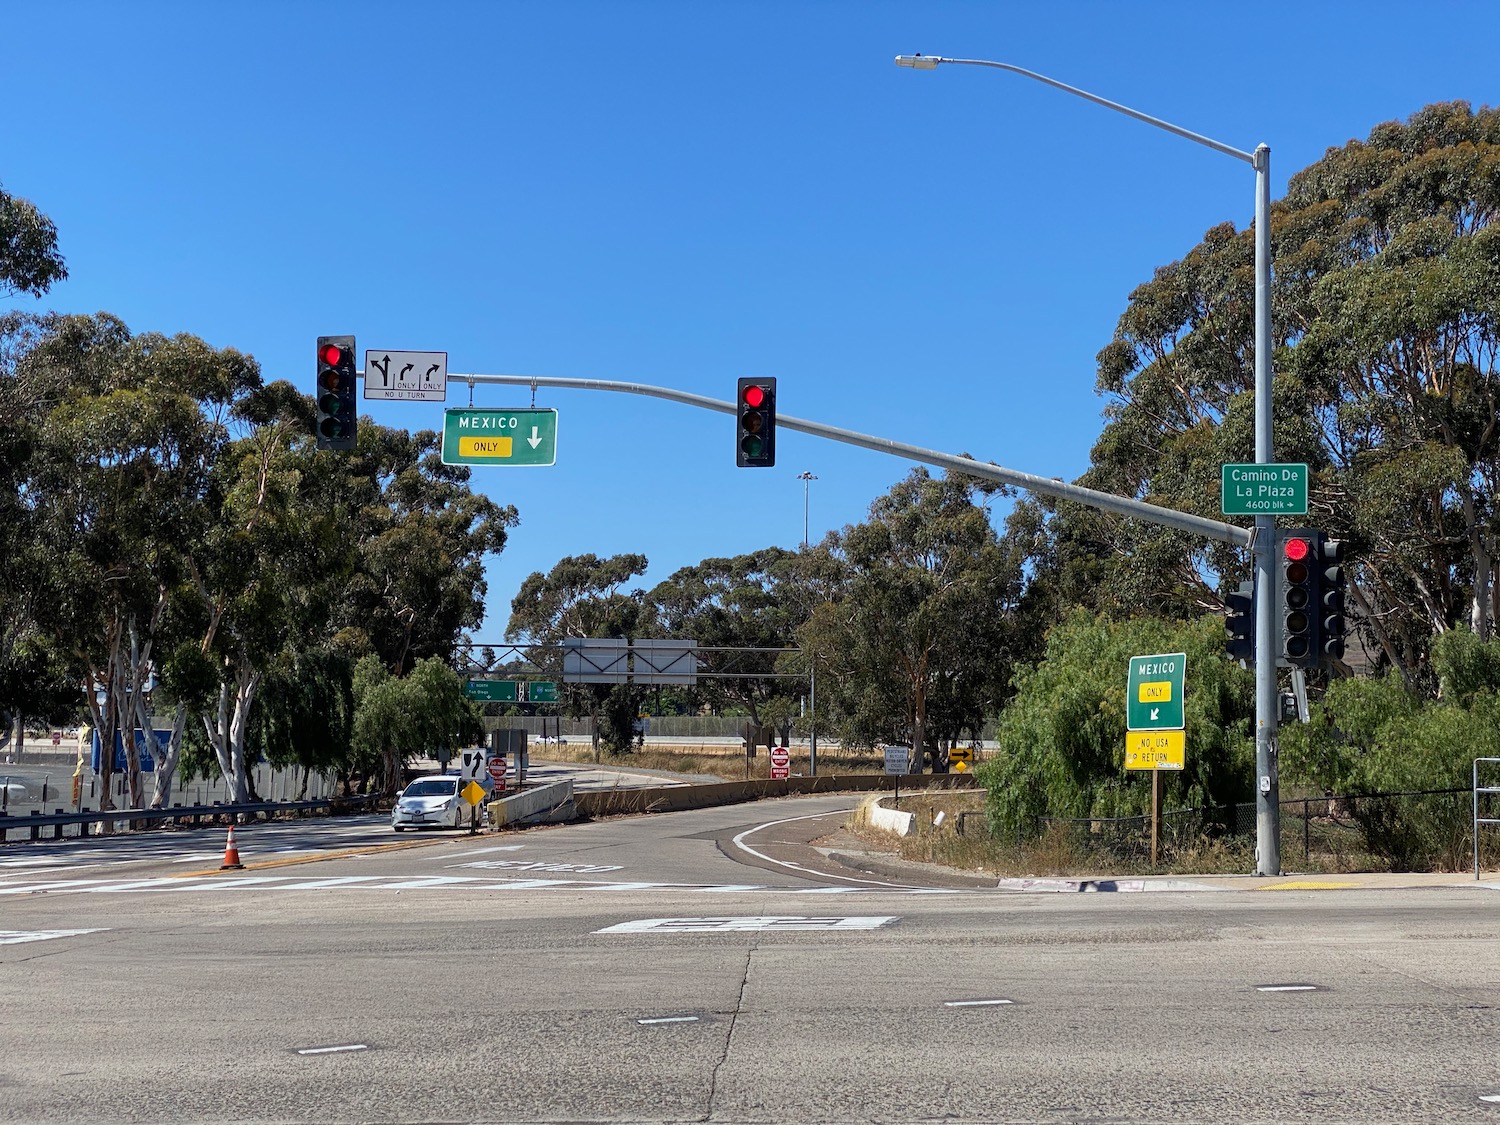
(1267, 785)
(1046, 486)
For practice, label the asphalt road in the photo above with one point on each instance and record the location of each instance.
(717, 966)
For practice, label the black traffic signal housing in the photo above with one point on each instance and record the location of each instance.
(337, 400)
(1298, 611)
(1332, 580)
(755, 424)
(1240, 622)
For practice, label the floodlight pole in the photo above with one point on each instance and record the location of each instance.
(1267, 788)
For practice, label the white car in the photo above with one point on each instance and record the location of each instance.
(434, 802)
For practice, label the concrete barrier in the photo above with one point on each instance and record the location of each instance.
(675, 798)
(892, 820)
(528, 803)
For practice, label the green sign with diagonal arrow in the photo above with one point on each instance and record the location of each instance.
(481, 436)
(1153, 693)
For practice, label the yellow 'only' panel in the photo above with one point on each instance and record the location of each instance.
(1157, 691)
(484, 446)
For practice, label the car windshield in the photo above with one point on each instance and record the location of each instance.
(433, 787)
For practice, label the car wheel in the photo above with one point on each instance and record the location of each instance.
(399, 827)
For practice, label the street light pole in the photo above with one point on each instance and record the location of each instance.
(1267, 790)
(806, 478)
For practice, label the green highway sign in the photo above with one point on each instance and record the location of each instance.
(1153, 693)
(491, 691)
(511, 691)
(481, 436)
(1263, 490)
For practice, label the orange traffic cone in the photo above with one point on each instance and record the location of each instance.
(231, 854)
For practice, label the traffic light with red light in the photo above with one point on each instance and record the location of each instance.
(1331, 583)
(1297, 597)
(338, 413)
(755, 433)
(1240, 623)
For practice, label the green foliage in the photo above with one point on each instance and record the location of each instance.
(1062, 737)
(1379, 737)
(424, 714)
(29, 259)
(917, 636)
(1386, 314)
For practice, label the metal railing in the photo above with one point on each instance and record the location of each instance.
(179, 815)
(1478, 820)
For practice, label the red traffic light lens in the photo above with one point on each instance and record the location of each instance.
(754, 396)
(1297, 549)
(333, 355)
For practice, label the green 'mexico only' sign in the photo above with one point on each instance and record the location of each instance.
(479, 436)
(1153, 692)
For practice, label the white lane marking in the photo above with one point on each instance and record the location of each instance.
(331, 1050)
(428, 881)
(538, 865)
(721, 888)
(670, 1019)
(974, 1003)
(487, 851)
(744, 925)
(528, 884)
(234, 883)
(1286, 988)
(17, 937)
(321, 884)
(65, 884)
(739, 842)
(1489, 1097)
(621, 886)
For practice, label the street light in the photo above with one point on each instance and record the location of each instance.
(805, 478)
(1267, 810)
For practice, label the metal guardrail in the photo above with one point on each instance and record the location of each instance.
(190, 815)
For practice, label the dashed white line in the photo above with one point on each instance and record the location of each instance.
(333, 1050)
(669, 1019)
(975, 1003)
(1286, 988)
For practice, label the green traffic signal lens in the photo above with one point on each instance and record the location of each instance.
(752, 446)
(1296, 647)
(329, 404)
(331, 428)
(1296, 598)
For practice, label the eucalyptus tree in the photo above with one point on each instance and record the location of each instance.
(120, 471)
(34, 675)
(749, 602)
(423, 537)
(1386, 305)
(584, 596)
(30, 262)
(917, 643)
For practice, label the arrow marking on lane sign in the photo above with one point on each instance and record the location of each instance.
(1156, 712)
(533, 440)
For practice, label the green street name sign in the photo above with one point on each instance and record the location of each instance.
(1153, 692)
(1263, 490)
(511, 691)
(476, 436)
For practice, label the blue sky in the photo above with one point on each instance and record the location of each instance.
(681, 194)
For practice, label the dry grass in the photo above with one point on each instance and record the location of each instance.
(725, 762)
